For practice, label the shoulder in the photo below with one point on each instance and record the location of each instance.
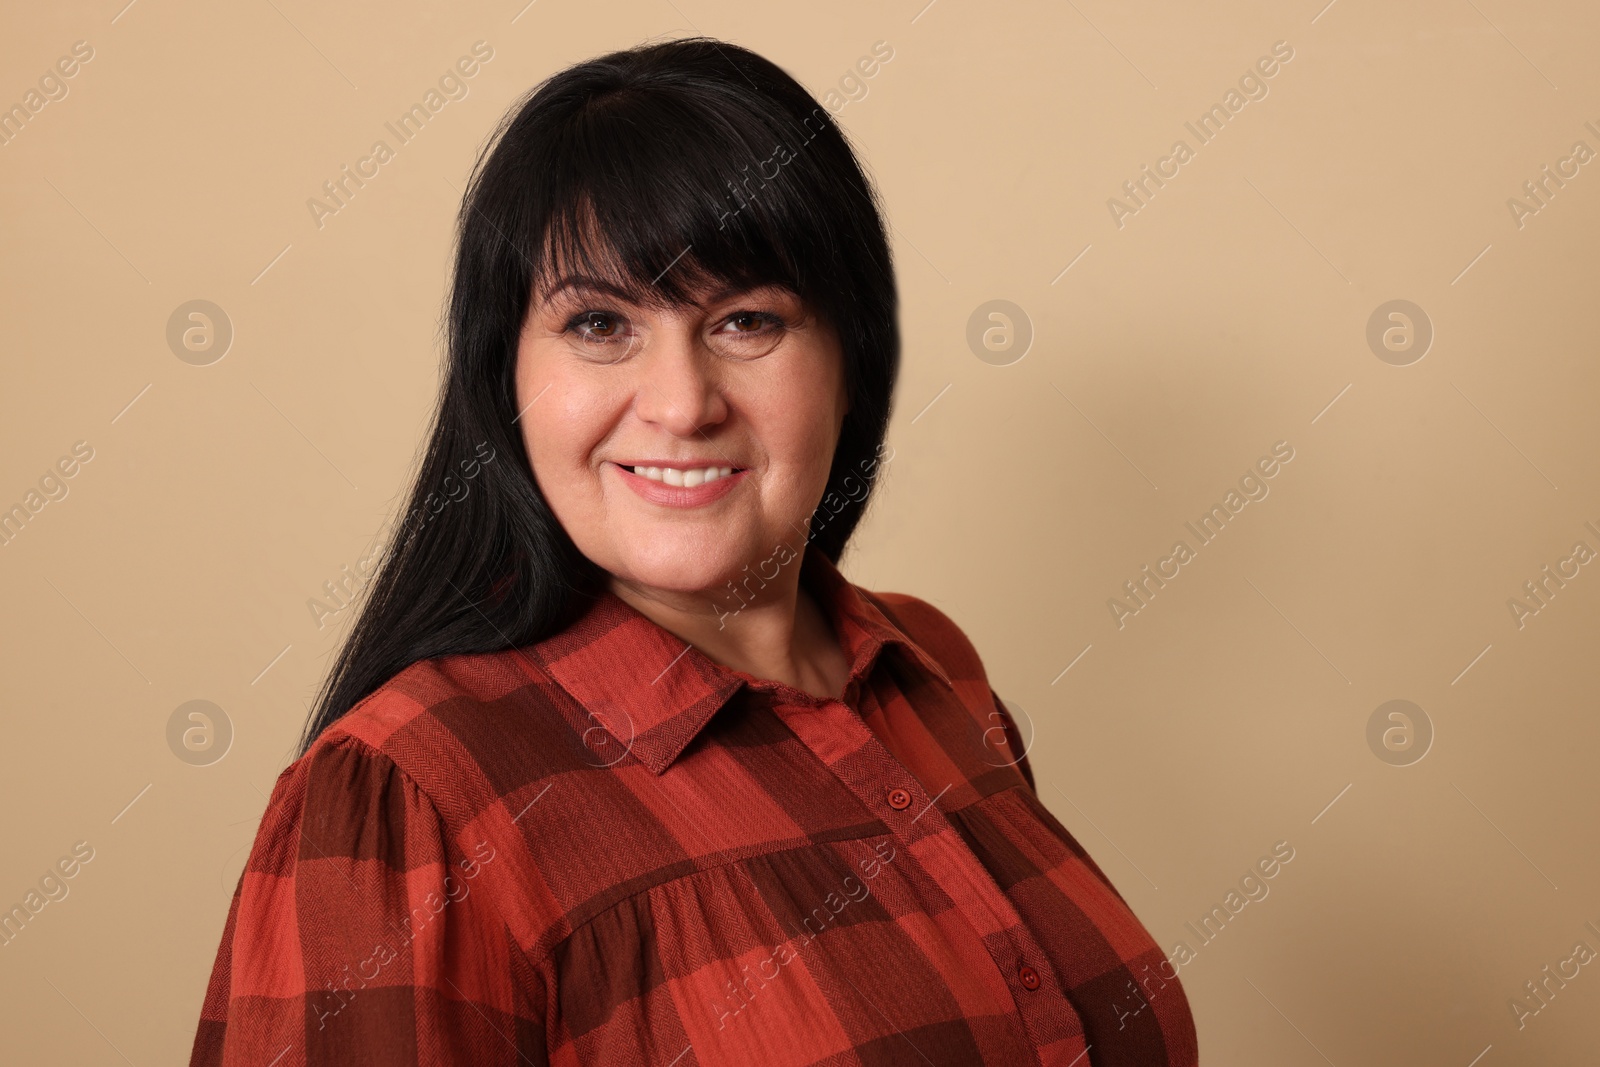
(946, 644)
(458, 707)
(935, 632)
(448, 754)
(466, 727)
(426, 697)
(345, 800)
(379, 762)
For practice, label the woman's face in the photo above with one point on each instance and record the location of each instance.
(677, 446)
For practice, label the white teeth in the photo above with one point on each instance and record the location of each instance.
(686, 478)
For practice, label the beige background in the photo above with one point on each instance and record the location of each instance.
(1226, 315)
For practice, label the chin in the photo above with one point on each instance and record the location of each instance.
(674, 578)
(684, 565)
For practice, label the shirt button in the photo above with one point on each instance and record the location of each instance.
(899, 799)
(1029, 976)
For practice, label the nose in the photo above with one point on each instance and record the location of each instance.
(678, 388)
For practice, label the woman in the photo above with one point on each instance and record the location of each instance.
(616, 767)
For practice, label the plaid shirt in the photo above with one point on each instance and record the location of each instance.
(605, 848)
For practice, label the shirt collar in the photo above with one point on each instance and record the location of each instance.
(653, 694)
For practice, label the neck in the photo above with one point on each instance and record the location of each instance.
(781, 635)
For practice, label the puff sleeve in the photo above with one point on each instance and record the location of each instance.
(360, 932)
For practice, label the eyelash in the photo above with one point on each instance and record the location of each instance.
(583, 317)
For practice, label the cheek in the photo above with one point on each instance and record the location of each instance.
(563, 420)
(822, 409)
(802, 430)
(796, 419)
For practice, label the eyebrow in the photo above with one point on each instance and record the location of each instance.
(584, 282)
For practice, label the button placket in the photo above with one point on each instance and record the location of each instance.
(934, 830)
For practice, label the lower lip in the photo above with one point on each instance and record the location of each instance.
(680, 496)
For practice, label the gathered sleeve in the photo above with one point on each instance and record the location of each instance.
(362, 932)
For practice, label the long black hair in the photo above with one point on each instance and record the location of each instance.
(660, 168)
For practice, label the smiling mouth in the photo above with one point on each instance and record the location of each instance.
(688, 477)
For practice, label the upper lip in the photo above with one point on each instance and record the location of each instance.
(679, 464)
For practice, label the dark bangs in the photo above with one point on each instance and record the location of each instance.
(664, 201)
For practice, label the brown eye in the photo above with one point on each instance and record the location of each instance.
(597, 326)
(601, 336)
(748, 334)
(746, 324)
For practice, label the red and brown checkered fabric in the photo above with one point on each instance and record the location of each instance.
(607, 849)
